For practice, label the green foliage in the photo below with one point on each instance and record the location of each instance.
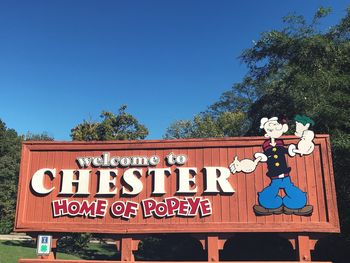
(179, 129)
(37, 137)
(238, 99)
(227, 117)
(10, 150)
(299, 69)
(86, 131)
(296, 70)
(122, 126)
(74, 243)
(10, 146)
(170, 248)
(206, 125)
(303, 70)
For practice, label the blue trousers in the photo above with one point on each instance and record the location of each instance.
(294, 198)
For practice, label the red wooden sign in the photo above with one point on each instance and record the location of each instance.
(168, 186)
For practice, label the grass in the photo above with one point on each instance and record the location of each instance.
(11, 251)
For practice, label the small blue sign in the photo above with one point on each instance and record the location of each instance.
(44, 245)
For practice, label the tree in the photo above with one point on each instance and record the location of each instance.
(122, 126)
(10, 151)
(301, 69)
(37, 137)
(298, 69)
(10, 147)
(207, 125)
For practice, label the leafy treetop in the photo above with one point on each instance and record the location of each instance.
(121, 126)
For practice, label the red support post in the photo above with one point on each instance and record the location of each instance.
(126, 249)
(303, 248)
(127, 246)
(212, 246)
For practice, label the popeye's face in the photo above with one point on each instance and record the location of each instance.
(274, 129)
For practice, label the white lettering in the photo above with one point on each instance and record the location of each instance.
(82, 181)
(115, 161)
(218, 176)
(132, 178)
(84, 161)
(171, 158)
(37, 181)
(185, 180)
(138, 160)
(106, 182)
(125, 161)
(158, 179)
(154, 160)
(97, 161)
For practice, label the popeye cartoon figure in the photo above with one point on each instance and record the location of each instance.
(270, 202)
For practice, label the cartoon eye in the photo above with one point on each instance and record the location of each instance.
(279, 127)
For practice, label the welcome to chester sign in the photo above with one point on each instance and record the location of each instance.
(164, 187)
(107, 175)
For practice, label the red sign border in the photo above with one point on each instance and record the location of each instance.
(206, 227)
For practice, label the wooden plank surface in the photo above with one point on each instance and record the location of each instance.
(231, 212)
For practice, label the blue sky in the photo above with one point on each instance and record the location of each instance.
(65, 61)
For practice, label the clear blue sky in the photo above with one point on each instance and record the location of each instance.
(65, 61)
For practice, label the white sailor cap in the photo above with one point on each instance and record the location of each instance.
(264, 120)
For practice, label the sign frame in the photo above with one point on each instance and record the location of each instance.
(322, 141)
